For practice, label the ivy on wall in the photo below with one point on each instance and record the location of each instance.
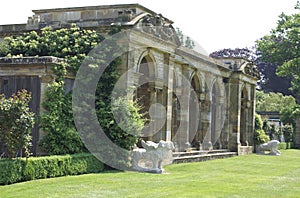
(73, 45)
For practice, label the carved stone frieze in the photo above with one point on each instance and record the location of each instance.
(158, 26)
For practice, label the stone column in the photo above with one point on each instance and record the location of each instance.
(297, 134)
(234, 114)
(169, 95)
(206, 124)
(225, 102)
(182, 135)
(219, 123)
(252, 115)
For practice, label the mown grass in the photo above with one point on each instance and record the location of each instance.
(243, 176)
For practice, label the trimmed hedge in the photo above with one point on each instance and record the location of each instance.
(17, 170)
(284, 146)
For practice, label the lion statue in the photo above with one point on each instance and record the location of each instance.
(271, 146)
(152, 156)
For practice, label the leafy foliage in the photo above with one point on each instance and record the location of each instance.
(62, 137)
(12, 171)
(269, 81)
(73, 44)
(260, 136)
(237, 52)
(289, 114)
(287, 131)
(273, 101)
(281, 47)
(258, 124)
(16, 122)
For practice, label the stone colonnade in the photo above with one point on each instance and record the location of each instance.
(193, 101)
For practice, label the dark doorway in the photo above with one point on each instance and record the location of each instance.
(12, 84)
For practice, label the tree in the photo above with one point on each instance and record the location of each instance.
(237, 52)
(269, 81)
(273, 101)
(282, 47)
(16, 122)
(289, 114)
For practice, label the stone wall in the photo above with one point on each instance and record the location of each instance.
(32, 74)
(226, 86)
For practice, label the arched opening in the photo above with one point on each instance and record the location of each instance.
(243, 118)
(194, 113)
(144, 93)
(205, 121)
(175, 112)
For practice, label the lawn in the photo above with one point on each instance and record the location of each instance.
(243, 176)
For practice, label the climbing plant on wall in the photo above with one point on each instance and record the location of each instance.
(73, 44)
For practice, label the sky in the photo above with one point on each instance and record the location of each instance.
(212, 24)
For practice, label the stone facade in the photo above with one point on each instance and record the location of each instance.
(208, 103)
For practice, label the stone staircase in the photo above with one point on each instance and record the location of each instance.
(199, 156)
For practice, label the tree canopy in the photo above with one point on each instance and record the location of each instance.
(273, 101)
(282, 47)
(269, 81)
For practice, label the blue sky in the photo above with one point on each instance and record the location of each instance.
(213, 24)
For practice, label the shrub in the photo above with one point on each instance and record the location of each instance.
(258, 122)
(283, 146)
(260, 136)
(266, 126)
(16, 122)
(287, 131)
(16, 170)
(11, 171)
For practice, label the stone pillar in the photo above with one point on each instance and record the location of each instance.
(219, 124)
(252, 115)
(206, 124)
(182, 135)
(297, 134)
(234, 114)
(225, 101)
(169, 96)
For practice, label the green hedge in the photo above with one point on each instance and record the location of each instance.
(16, 170)
(283, 146)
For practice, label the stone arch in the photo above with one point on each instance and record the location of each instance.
(175, 109)
(147, 58)
(145, 92)
(195, 113)
(203, 84)
(216, 114)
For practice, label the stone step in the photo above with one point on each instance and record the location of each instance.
(197, 152)
(203, 157)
